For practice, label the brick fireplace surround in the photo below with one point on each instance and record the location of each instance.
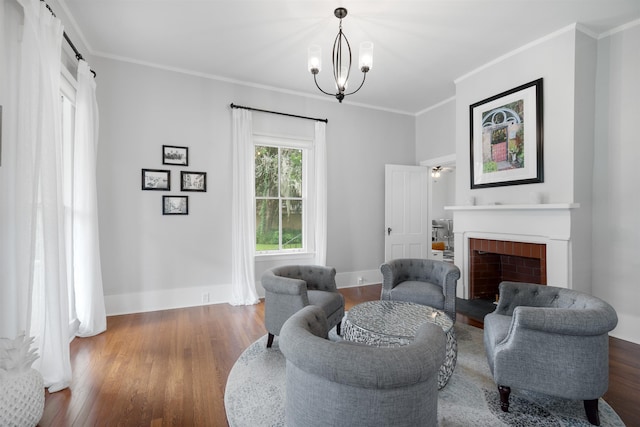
(492, 261)
(547, 226)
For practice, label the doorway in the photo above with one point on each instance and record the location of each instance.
(407, 231)
(441, 192)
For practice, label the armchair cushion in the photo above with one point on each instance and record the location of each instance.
(422, 281)
(424, 293)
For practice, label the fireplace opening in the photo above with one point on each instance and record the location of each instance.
(494, 261)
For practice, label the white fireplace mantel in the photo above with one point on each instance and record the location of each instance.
(535, 207)
(548, 224)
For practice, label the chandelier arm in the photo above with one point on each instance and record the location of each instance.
(318, 86)
(359, 87)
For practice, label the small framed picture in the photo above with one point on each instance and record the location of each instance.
(156, 179)
(193, 181)
(172, 155)
(175, 205)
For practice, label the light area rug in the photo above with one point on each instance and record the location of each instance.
(255, 392)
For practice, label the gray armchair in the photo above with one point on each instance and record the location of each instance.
(552, 341)
(347, 384)
(291, 287)
(422, 281)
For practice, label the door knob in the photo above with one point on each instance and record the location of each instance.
(389, 231)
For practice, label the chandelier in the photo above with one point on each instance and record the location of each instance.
(341, 60)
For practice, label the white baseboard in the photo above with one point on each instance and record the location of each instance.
(358, 278)
(140, 302)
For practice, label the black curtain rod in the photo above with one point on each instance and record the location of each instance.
(66, 37)
(276, 112)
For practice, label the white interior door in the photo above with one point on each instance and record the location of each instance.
(406, 217)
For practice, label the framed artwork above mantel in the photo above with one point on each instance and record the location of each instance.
(506, 138)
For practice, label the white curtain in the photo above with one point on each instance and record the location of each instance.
(87, 272)
(321, 192)
(15, 291)
(40, 238)
(243, 233)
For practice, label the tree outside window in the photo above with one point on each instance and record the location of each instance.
(279, 198)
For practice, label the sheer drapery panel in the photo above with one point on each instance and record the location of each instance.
(243, 231)
(320, 192)
(87, 271)
(37, 259)
(39, 200)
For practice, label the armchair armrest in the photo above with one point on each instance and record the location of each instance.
(284, 285)
(566, 321)
(449, 275)
(390, 277)
(555, 310)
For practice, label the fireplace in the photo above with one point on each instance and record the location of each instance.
(494, 261)
(538, 226)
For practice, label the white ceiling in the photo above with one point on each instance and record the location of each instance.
(421, 47)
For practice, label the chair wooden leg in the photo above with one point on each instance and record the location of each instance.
(270, 340)
(504, 397)
(338, 327)
(591, 408)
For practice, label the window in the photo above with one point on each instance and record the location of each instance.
(68, 113)
(67, 117)
(282, 211)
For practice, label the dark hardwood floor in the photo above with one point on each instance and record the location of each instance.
(170, 367)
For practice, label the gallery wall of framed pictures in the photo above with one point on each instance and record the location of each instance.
(160, 180)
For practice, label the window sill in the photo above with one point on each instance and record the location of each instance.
(283, 256)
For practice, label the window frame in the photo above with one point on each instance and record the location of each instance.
(68, 90)
(308, 182)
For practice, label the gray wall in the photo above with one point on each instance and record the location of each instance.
(616, 204)
(151, 261)
(583, 146)
(436, 131)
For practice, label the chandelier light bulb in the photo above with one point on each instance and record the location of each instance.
(314, 59)
(366, 56)
(342, 80)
